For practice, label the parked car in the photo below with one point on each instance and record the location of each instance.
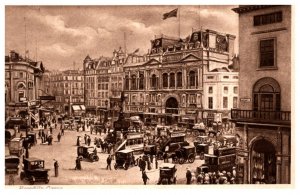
(15, 146)
(167, 174)
(124, 159)
(186, 153)
(87, 152)
(31, 139)
(34, 170)
(12, 163)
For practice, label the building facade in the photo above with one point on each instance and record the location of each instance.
(96, 89)
(116, 83)
(23, 78)
(263, 120)
(168, 83)
(67, 87)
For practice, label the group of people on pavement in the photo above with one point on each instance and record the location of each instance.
(220, 177)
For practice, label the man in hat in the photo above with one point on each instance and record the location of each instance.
(145, 177)
(108, 160)
(188, 176)
(56, 167)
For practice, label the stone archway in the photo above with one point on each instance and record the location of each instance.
(263, 161)
(171, 107)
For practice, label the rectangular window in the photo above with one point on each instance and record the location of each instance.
(210, 102)
(267, 53)
(234, 103)
(210, 77)
(235, 77)
(225, 102)
(210, 90)
(235, 90)
(21, 75)
(267, 18)
(225, 77)
(225, 90)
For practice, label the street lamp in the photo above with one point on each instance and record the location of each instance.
(106, 111)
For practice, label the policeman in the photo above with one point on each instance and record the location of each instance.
(56, 167)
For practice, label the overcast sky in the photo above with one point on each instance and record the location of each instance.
(66, 34)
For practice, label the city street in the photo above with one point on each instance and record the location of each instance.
(94, 173)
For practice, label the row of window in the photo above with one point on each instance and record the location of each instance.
(19, 75)
(225, 102)
(225, 90)
(168, 81)
(224, 77)
(66, 78)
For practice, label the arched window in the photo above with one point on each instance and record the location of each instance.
(192, 79)
(153, 81)
(141, 81)
(133, 83)
(126, 82)
(179, 79)
(266, 95)
(21, 85)
(172, 79)
(165, 80)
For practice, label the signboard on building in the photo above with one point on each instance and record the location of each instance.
(245, 99)
(22, 99)
(47, 97)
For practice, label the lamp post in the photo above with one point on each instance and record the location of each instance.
(106, 111)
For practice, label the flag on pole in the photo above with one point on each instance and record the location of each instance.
(170, 14)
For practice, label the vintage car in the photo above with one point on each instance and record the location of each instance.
(15, 146)
(31, 139)
(167, 174)
(87, 153)
(12, 163)
(34, 170)
(124, 159)
(185, 153)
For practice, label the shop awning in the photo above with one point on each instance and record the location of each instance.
(76, 108)
(82, 107)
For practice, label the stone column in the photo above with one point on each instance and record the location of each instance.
(247, 167)
(278, 156)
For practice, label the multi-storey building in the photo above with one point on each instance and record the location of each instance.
(67, 87)
(263, 119)
(22, 83)
(168, 83)
(96, 88)
(116, 82)
(220, 89)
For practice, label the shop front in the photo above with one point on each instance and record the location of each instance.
(263, 162)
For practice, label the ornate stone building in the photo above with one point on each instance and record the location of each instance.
(23, 78)
(167, 84)
(263, 119)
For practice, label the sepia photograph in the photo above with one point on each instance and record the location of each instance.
(173, 94)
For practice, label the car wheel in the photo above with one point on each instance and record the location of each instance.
(22, 175)
(126, 166)
(95, 158)
(31, 181)
(191, 158)
(181, 161)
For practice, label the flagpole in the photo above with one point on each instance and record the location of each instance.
(179, 20)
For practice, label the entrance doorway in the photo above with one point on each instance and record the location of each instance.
(171, 108)
(263, 162)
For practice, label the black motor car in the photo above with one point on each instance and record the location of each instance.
(87, 152)
(124, 159)
(12, 163)
(167, 174)
(34, 170)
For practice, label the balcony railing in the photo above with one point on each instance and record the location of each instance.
(274, 117)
